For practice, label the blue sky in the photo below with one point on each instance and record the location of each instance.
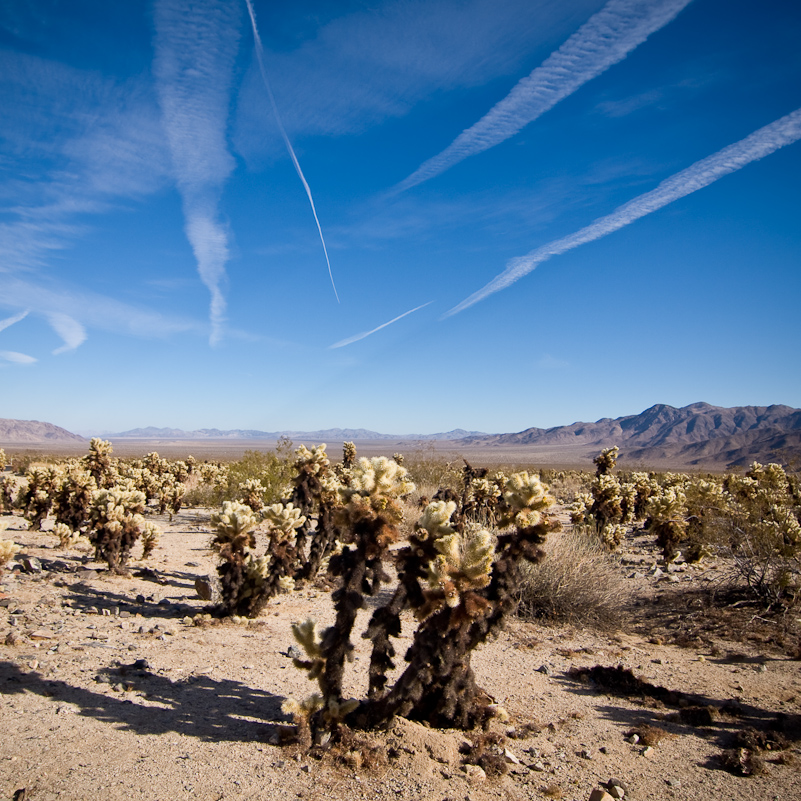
(534, 211)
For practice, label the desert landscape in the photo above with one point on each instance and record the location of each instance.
(624, 667)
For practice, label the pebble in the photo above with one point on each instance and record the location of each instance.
(474, 773)
(647, 751)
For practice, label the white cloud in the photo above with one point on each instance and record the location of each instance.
(761, 143)
(605, 39)
(69, 329)
(196, 47)
(16, 358)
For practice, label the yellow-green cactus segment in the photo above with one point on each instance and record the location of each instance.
(8, 549)
(284, 518)
(306, 635)
(526, 496)
(378, 477)
(464, 563)
(314, 460)
(435, 519)
(234, 520)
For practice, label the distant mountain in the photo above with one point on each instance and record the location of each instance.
(32, 431)
(326, 435)
(695, 435)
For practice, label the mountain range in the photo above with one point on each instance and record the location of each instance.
(698, 435)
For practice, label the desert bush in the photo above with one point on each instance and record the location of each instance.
(22, 462)
(579, 582)
(431, 472)
(460, 581)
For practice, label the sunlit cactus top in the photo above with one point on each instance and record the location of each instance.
(314, 461)
(436, 519)
(7, 551)
(526, 498)
(378, 477)
(284, 519)
(606, 460)
(464, 563)
(233, 523)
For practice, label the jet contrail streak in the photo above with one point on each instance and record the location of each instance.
(356, 338)
(761, 143)
(260, 57)
(605, 39)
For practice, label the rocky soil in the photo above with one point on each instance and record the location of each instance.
(111, 690)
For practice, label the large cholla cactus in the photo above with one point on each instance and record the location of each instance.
(460, 581)
(667, 518)
(252, 492)
(607, 506)
(99, 463)
(239, 570)
(606, 460)
(36, 498)
(115, 524)
(73, 496)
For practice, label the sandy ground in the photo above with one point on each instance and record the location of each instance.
(109, 691)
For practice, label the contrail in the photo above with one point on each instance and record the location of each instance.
(356, 338)
(69, 329)
(605, 39)
(260, 57)
(761, 143)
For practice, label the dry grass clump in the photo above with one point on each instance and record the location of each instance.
(577, 582)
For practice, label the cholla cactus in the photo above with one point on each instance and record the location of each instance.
(67, 538)
(36, 498)
(607, 506)
(435, 520)
(349, 455)
(8, 549)
(611, 535)
(580, 508)
(73, 496)
(606, 460)
(3, 461)
(151, 534)
(667, 518)
(463, 565)
(380, 480)
(7, 489)
(526, 499)
(99, 462)
(284, 520)
(115, 523)
(314, 461)
(252, 492)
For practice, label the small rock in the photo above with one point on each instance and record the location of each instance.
(204, 589)
(33, 664)
(141, 664)
(11, 638)
(125, 613)
(510, 757)
(633, 739)
(30, 564)
(647, 751)
(599, 795)
(41, 634)
(545, 669)
(306, 768)
(585, 753)
(656, 661)
(475, 773)
(657, 572)
(164, 602)
(603, 749)
(674, 783)
(92, 610)
(293, 652)
(539, 767)
(106, 613)
(140, 599)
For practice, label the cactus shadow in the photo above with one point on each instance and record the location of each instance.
(84, 596)
(212, 710)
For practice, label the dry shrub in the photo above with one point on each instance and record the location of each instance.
(577, 582)
(648, 734)
(486, 749)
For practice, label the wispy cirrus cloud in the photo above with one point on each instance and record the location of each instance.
(605, 39)
(16, 358)
(196, 47)
(784, 131)
(350, 340)
(69, 329)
